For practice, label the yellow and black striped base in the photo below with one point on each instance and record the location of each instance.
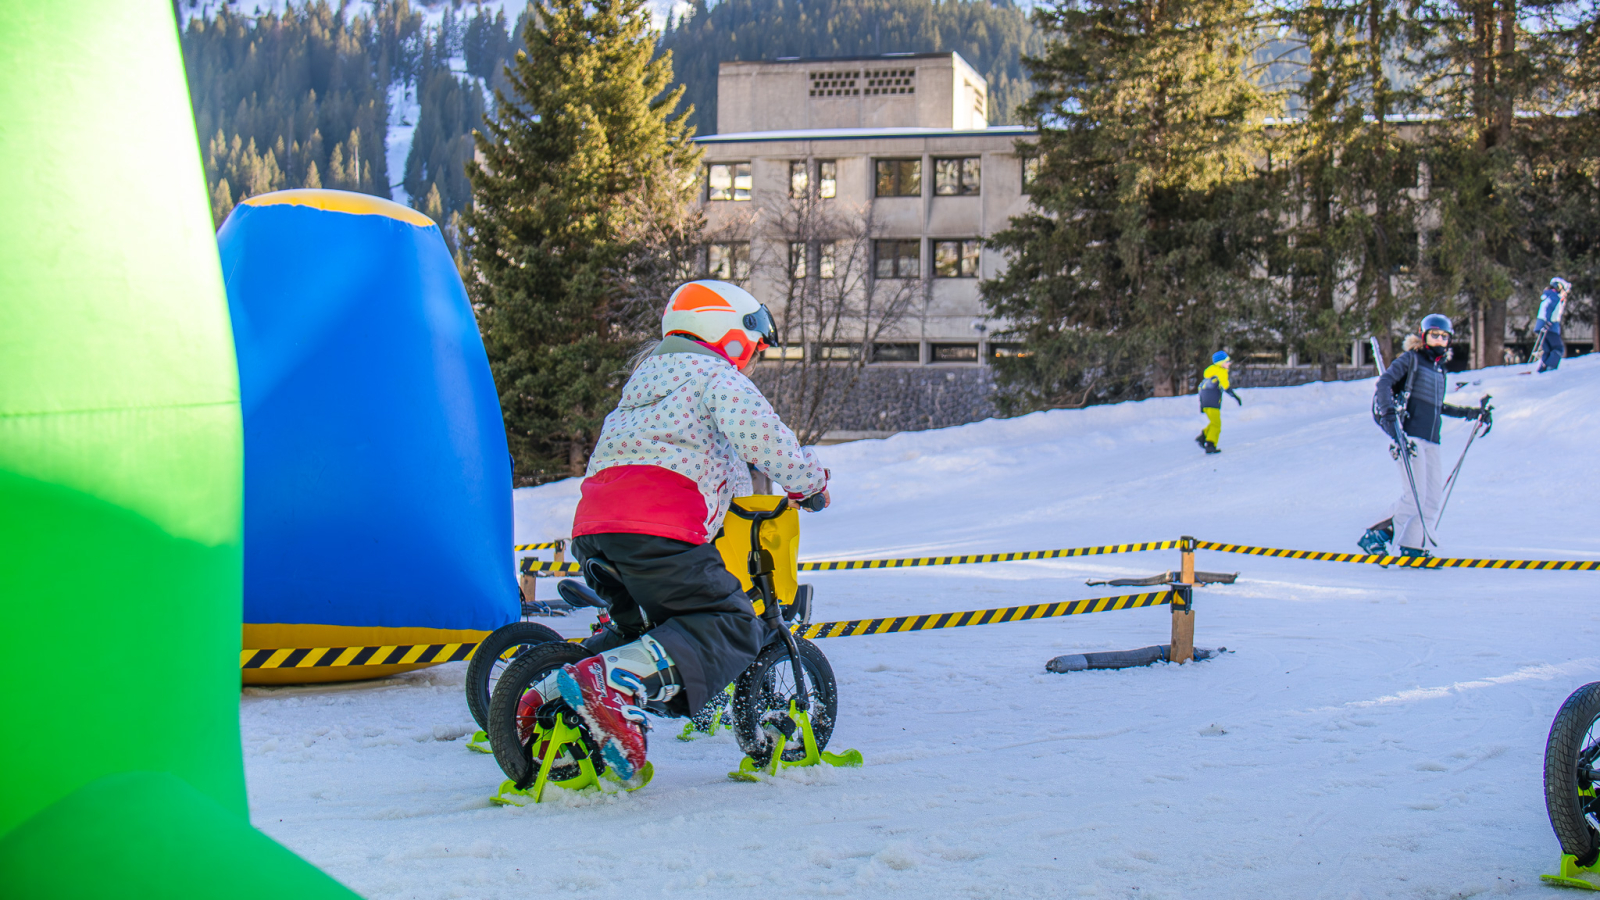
(326, 657)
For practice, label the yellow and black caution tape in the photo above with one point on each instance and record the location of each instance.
(531, 566)
(322, 657)
(856, 627)
(537, 567)
(1413, 562)
(838, 565)
(547, 545)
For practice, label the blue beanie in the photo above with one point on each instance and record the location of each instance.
(1219, 356)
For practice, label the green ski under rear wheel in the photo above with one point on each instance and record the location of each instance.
(506, 732)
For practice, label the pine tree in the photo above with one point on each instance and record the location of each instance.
(1350, 223)
(583, 157)
(1140, 252)
(1494, 77)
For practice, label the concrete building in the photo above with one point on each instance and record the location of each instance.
(896, 153)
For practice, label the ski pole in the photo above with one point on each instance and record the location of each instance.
(1450, 483)
(1405, 458)
(1538, 345)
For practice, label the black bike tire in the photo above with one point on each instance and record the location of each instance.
(1561, 781)
(483, 659)
(523, 673)
(749, 703)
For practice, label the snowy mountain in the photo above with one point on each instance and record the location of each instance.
(1374, 733)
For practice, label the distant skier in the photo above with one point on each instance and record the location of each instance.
(1408, 405)
(1548, 323)
(1212, 385)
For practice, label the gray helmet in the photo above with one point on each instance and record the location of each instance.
(1436, 322)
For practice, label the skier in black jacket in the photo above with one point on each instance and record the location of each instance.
(1416, 378)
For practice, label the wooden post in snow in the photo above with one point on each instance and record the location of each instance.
(1182, 648)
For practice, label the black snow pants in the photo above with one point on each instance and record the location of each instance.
(683, 596)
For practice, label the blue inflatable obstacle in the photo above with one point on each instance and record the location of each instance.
(377, 490)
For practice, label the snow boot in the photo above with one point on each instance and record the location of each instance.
(1210, 447)
(1376, 541)
(1414, 553)
(608, 690)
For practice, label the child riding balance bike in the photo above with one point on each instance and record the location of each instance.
(664, 471)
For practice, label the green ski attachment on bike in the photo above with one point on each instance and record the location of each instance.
(479, 742)
(554, 740)
(801, 722)
(707, 721)
(1575, 876)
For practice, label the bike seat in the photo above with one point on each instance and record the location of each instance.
(576, 593)
(598, 571)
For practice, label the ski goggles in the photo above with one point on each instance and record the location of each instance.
(760, 322)
(1431, 335)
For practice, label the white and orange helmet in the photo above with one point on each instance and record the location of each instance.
(721, 314)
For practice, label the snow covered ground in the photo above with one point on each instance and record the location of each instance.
(1376, 733)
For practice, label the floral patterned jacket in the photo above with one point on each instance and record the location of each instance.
(673, 454)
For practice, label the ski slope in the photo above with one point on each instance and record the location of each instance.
(1375, 733)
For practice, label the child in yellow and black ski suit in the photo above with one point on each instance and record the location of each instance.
(1212, 385)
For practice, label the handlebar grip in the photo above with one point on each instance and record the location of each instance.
(814, 503)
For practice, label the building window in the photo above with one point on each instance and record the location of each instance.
(1007, 351)
(801, 254)
(898, 259)
(956, 259)
(834, 84)
(728, 181)
(839, 351)
(827, 178)
(728, 261)
(956, 177)
(896, 353)
(792, 351)
(799, 179)
(1030, 173)
(892, 81)
(898, 177)
(954, 353)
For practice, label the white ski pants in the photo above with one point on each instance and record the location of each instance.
(1425, 468)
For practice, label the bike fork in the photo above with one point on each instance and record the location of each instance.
(761, 566)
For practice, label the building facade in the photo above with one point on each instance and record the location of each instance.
(881, 173)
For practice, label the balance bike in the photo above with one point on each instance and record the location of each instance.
(783, 706)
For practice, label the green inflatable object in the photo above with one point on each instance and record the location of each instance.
(120, 479)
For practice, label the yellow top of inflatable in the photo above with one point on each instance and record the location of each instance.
(341, 201)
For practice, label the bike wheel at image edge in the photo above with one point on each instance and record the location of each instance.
(493, 655)
(1569, 776)
(768, 684)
